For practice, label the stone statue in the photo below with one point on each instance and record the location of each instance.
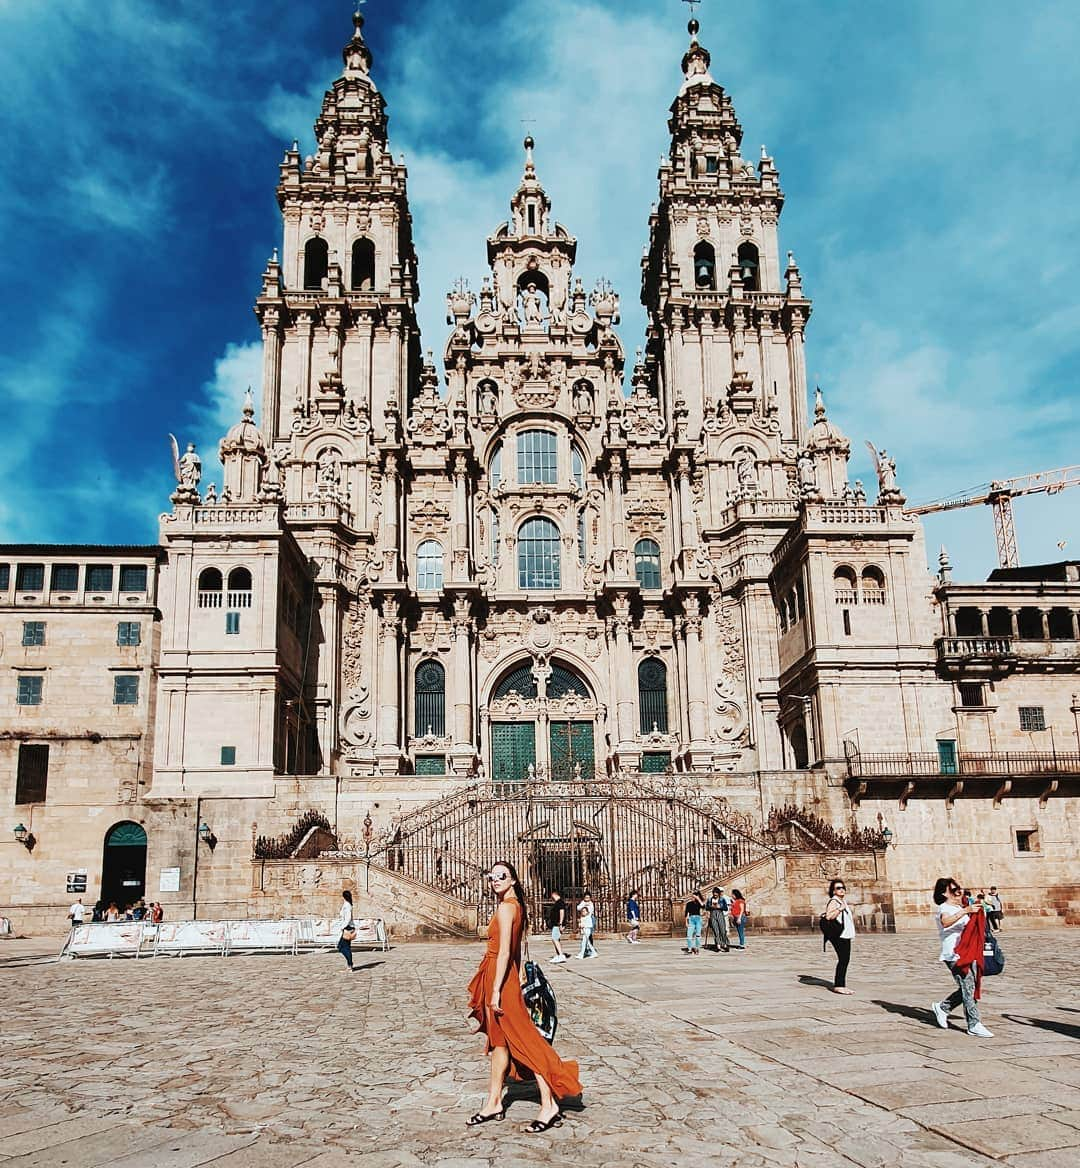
(210, 498)
(532, 305)
(859, 493)
(808, 483)
(488, 398)
(328, 475)
(189, 468)
(886, 473)
(746, 473)
(583, 400)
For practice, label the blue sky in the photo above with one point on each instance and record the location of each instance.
(928, 152)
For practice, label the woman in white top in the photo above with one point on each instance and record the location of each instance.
(587, 923)
(952, 915)
(345, 922)
(839, 907)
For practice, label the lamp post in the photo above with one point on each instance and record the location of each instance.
(24, 836)
(369, 835)
(207, 836)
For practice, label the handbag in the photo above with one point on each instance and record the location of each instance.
(540, 1001)
(349, 932)
(993, 958)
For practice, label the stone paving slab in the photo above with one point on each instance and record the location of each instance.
(284, 1062)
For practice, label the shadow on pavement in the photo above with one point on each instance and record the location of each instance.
(915, 1013)
(1063, 1028)
(809, 979)
(368, 965)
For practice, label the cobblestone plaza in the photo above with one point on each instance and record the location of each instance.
(741, 1058)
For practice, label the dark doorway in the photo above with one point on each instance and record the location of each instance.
(123, 865)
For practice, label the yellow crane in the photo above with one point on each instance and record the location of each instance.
(999, 495)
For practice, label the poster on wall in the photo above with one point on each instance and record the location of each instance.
(170, 880)
(76, 881)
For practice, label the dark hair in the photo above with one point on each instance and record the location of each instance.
(632, 892)
(737, 894)
(941, 887)
(346, 895)
(993, 888)
(555, 892)
(717, 889)
(833, 883)
(519, 892)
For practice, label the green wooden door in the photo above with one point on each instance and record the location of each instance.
(571, 744)
(513, 748)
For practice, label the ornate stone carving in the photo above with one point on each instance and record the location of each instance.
(641, 422)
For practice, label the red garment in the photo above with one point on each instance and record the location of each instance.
(969, 948)
(530, 1053)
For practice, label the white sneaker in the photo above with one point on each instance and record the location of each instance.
(980, 1031)
(940, 1014)
(557, 960)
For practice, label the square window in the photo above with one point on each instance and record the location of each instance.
(228, 756)
(33, 633)
(129, 633)
(1027, 840)
(32, 777)
(232, 623)
(30, 578)
(712, 164)
(5, 577)
(125, 690)
(132, 577)
(64, 578)
(656, 762)
(1032, 718)
(29, 689)
(99, 577)
(431, 764)
(971, 693)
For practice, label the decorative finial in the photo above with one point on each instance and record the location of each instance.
(819, 404)
(693, 28)
(249, 404)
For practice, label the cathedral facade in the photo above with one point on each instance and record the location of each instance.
(538, 569)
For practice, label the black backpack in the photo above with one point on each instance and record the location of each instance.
(540, 1001)
(830, 930)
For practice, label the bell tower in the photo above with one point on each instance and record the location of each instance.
(341, 365)
(724, 316)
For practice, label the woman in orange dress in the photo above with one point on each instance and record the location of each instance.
(513, 1042)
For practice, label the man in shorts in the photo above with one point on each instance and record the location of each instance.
(556, 918)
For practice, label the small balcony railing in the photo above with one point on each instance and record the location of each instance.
(971, 764)
(974, 647)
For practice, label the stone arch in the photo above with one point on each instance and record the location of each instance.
(316, 263)
(362, 274)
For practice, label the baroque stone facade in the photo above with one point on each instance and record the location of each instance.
(549, 566)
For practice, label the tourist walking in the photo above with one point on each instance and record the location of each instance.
(738, 915)
(961, 953)
(556, 918)
(77, 913)
(838, 908)
(587, 924)
(633, 916)
(112, 913)
(718, 905)
(994, 909)
(694, 905)
(514, 1045)
(346, 927)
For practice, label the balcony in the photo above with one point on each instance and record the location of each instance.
(984, 656)
(996, 775)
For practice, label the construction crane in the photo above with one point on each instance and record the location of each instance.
(1000, 494)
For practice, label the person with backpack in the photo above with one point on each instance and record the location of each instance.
(738, 915)
(952, 917)
(587, 924)
(718, 906)
(633, 916)
(838, 927)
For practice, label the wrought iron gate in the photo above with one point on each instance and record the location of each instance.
(607, 835)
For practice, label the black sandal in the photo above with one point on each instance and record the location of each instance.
(540, 1125)
(479, 1118)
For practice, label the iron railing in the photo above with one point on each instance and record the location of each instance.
(972, 764)
(655, 834)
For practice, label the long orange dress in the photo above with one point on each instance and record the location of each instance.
(530, 1053)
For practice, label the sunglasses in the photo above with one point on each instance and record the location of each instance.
(493, 879)
(954, 891)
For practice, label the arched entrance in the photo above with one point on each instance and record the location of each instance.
(123, 865)
(542, 721)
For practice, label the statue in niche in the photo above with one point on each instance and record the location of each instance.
(532, 305)
(488, 397)
(328, 474)
(583, 399)
(746, 473)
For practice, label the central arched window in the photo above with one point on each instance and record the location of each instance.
(563, 682)
(363, 265)
(652, 695)
(316, 262)
(520, 681)
(538, 555)
(749, 267)
(647, 563)
(429, 565)
(536, 458)
(430, 700)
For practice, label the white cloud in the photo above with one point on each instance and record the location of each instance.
(239, 367)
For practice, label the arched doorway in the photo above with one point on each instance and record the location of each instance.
(123, 865)
(542, 720)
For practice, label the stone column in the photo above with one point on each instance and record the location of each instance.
(696, 688)
(388, 529)
(952, 622)
(393, 319)
(463, 753)
(620, 552)
(984, 621)
(1044, 616)
(389, 687)
(797, 360)
(271, 387)
(459, 553)
(687, 526)
(624, 678)
(1074, 618)
(303, 334)
(1014, 622)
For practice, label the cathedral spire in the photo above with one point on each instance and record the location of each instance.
(530, 206)
(696, 60)
(356, 55)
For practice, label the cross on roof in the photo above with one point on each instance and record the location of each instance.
(693, 4)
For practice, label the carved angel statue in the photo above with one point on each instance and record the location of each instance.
(746, 471)
(187, 466)
(886, 471)
(807, 473)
